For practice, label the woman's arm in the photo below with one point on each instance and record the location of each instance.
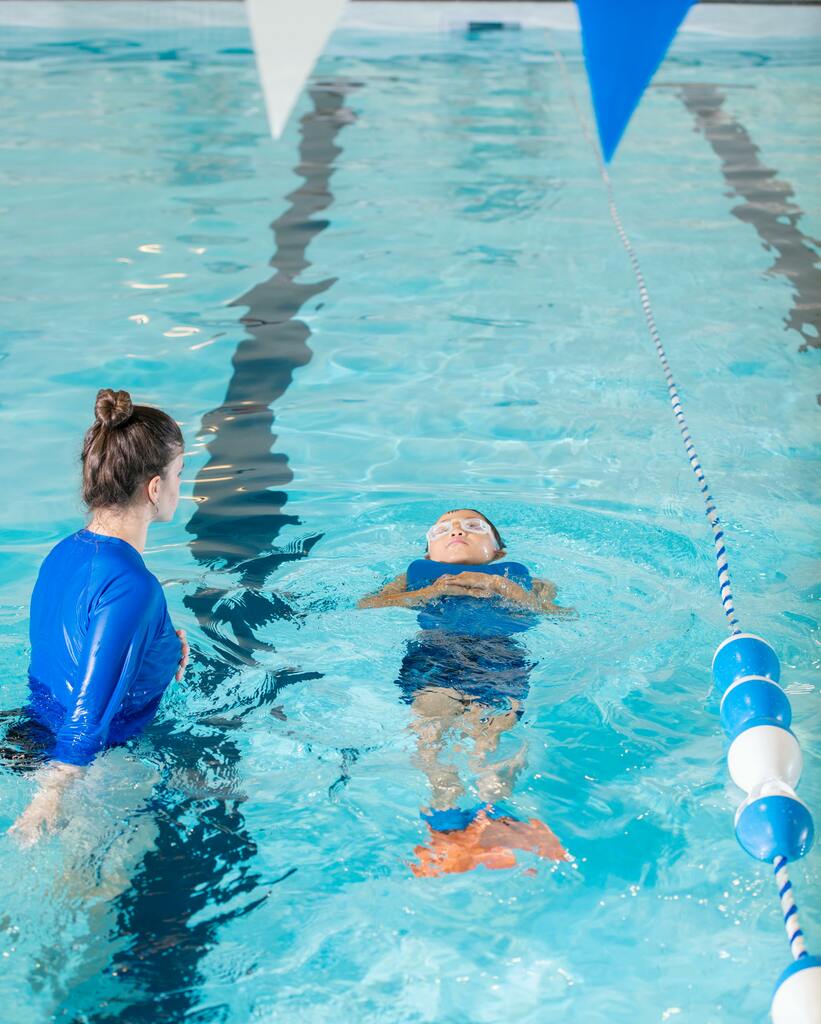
(120, 627)
(44, 809)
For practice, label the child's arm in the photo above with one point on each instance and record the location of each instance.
(390, 596)
(539, 599)
(543, 593)
(396, 595)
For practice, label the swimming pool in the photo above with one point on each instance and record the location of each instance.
(441, 314)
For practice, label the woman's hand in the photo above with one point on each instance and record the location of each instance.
(42, 813)
(184, 655)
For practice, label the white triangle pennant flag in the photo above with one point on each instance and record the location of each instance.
(288, 37)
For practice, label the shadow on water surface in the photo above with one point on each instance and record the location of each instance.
(199, 872)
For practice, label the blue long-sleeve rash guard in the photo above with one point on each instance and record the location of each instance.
(103, 649)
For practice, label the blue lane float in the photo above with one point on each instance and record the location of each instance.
(754, 698)
(743, 655)
(778, 824)
(772, 824)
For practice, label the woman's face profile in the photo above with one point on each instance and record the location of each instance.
(458, 545)
(167, 494)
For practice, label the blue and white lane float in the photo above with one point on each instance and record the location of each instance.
(764, 758)
(772, 824)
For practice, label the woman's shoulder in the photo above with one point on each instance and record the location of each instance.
(83, 570)
(114, 567)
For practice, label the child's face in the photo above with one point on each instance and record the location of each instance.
(454, 538)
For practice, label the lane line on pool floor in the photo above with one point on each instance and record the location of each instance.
(203, 847)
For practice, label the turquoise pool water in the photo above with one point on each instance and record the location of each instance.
(448, 318)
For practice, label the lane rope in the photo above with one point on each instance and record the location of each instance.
(795, 935)
(725, 590)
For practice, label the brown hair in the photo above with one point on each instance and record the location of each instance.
(125, 447)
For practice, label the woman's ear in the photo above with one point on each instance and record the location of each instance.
(500, 553)
(153, 489)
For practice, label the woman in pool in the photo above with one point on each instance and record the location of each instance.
(466, 673)
(103, 649)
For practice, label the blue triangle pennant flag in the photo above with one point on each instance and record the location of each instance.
(624, 42)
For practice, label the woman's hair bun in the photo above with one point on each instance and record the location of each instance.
(112, 408)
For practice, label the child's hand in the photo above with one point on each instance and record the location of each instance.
(543, 594)
(491, 586)
(460, 585)
(475, 581)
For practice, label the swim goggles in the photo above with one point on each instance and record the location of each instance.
(473, 524)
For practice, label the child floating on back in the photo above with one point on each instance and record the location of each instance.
(465, 673)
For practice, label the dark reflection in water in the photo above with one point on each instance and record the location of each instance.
(200, 872)
(768, 205)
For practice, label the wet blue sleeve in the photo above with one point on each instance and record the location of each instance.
(121, 624)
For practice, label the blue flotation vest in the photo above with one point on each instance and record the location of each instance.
(471, 616)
